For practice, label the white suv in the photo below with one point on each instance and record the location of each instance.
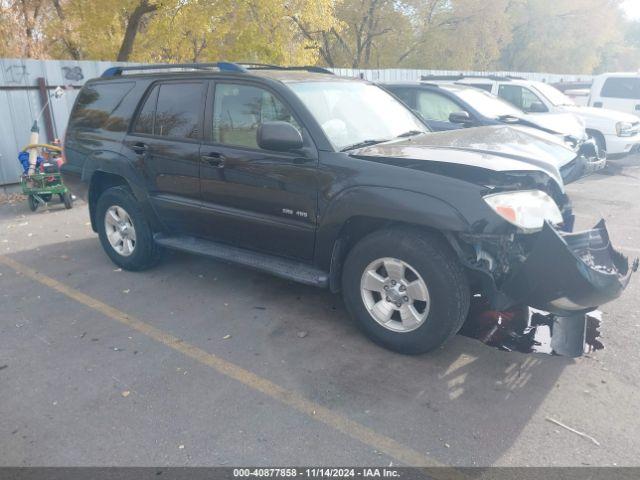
(615, 132)
(617, 91)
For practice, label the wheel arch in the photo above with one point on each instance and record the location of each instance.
(362, 211)
(597, 134)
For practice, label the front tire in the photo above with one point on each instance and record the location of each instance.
(406, 290)
(124, 231)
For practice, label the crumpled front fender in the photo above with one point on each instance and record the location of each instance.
(567, 273)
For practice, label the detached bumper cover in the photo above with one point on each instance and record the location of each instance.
(569, 273)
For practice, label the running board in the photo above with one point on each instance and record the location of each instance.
(281, 267)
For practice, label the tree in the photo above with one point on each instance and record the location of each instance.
(561, 35)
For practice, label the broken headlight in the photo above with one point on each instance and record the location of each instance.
(527, 209)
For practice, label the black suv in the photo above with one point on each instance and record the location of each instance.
(333, 182)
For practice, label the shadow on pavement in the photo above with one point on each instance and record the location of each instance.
(465, 404)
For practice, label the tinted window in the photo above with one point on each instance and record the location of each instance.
(144, 122)
(97, 104)
(178, 111)
(519, 96)
(239, 110)
(404, 94)
(621, 88)
(433, 106)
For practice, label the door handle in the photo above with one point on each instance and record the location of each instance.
(213, 159)
(140, 148)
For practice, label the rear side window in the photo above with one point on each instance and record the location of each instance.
(97, 107)
(178, 111)
(172, 110)
(621, 87)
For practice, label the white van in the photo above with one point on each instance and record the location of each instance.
(617, 91)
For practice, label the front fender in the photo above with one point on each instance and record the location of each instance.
(387, 204)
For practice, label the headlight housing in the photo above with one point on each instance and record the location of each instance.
(526, 209)
(624, 129)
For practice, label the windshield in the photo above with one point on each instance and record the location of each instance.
(488, 105)
(555, 96)
(352, 113)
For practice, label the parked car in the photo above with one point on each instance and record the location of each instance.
(451, 106)
(614, 131)
(616, 91)
(335, 183)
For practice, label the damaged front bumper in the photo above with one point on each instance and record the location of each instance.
(569, 273)
(589, 160)
(553, 284)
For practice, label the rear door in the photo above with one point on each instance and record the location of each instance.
(165, 138)
(620, 93)
(255, 198)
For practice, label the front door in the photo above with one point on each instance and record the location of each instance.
(255, 198)
(166, 140)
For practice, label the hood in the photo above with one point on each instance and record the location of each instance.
(562, 123)
(600, 114)
(498, 148)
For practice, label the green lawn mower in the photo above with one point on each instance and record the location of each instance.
(40, 182)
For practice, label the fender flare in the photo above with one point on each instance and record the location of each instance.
(114, 163)
(385, 204)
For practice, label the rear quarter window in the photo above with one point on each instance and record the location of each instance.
(621, 87)
(103, 106)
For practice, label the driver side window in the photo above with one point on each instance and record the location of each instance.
(521, 97)
(433, 106)
(239, 110)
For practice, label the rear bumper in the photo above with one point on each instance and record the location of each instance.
(569, 273)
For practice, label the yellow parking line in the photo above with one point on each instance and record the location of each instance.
(348, 427)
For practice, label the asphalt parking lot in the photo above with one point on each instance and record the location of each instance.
(201, 363)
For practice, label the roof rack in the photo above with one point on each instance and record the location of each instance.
(462, 77)
(222, 66)
(240, 67)
(303, 68)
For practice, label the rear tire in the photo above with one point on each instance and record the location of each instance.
(33, 203)
(129, 242)
(67, 200)
(427, 290)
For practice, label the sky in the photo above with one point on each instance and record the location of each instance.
(632, 8)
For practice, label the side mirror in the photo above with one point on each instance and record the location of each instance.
(278, 136)
(537, 107)
(460, 117)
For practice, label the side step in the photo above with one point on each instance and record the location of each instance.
(281, 267)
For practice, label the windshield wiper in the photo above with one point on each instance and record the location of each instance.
(364, 143)
(410, 133)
